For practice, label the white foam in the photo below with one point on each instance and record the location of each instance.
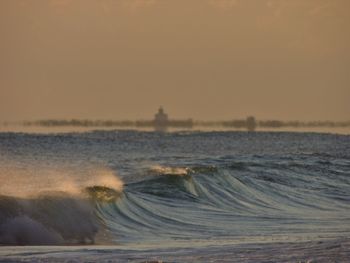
(165, 170)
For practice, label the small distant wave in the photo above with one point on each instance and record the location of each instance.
(175, 182)
(167, 170)
(182, 171)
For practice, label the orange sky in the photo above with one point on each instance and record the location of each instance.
(205, 59)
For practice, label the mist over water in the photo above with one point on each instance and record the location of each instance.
(32, 180)
(171, 190)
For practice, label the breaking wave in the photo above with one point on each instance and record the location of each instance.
(235, 201)
(56, 209)
(258, 200)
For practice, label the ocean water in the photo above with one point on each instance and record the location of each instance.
(118, 196)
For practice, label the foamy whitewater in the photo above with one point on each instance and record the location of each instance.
(132, 196)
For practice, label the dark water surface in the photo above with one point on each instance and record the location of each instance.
(230, 196)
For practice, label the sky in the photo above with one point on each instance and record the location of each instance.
(204, 59)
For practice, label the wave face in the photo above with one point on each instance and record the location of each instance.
(196, 189)
(53, 219)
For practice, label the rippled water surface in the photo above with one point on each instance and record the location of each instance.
(202, 195)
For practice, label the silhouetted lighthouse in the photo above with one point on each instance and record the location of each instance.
(161, 120)
(251, 123)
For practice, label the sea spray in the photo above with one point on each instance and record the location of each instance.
(52, 206)
(33, 180)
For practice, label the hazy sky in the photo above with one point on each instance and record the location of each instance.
(205, 59)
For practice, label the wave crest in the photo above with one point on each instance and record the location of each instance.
(167, 170)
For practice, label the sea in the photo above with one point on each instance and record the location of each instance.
(183, 196)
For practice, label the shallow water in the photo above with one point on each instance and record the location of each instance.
(201, 195)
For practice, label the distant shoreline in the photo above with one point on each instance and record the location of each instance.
(188, 123)
(66, 127)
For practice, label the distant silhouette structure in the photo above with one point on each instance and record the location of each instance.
(251, 123)
(161, 121)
